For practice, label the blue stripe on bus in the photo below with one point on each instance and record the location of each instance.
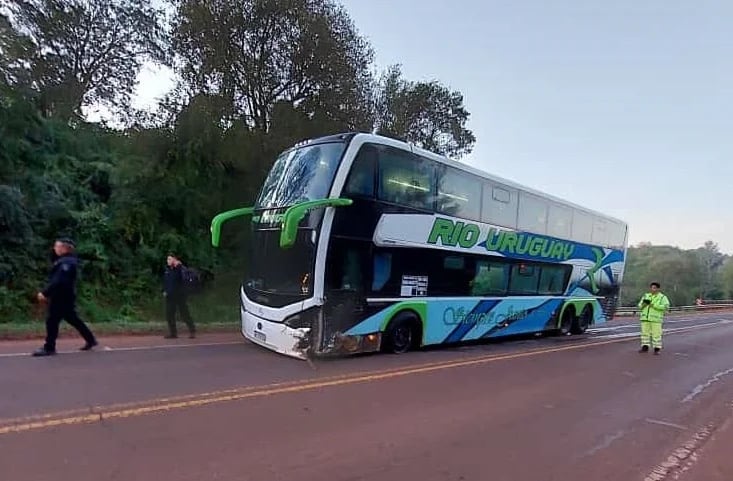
(462, 329)
(534, 320)
(501, 311)
(609, 273)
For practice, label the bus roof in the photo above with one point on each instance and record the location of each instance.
(348, 136)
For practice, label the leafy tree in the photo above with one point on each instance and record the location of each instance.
(257, 53)
(727, 278)
(711, 259)
(84, 52)
(682, 274)
(425, 113)
(15, 48)
(257, 76)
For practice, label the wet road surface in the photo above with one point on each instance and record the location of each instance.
(218, 408)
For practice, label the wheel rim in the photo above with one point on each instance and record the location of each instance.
(567, 323)
(584, 319)
(402, 339)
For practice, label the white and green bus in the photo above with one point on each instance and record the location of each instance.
(363, 243)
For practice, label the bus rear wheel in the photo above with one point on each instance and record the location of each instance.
(583, 321)
(402, 334)
(567, 321)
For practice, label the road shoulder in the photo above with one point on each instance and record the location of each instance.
(715, 462)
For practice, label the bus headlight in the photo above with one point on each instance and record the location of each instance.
(297, 321)
(371, 342)
(303, 319)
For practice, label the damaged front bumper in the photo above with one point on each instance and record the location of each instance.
(342, 344)
(276, 336)
(293, 337)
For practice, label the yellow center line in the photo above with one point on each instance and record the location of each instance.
(101, 413)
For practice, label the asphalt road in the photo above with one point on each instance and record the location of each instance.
(218, 408)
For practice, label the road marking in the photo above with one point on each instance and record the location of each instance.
(133, 348)
(682, 458)
(607, 441)
(666, 423)
(636, 325)
(666, 331)
(101, 413)
(701, 387)
(232, 343)
(601, 330)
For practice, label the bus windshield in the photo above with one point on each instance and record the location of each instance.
(300, 175)
(278, 277)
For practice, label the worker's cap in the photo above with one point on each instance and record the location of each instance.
(66, 240)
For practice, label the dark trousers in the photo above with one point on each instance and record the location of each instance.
(175, 303)
(64, 311)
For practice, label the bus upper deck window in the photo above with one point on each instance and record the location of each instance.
(361, 178)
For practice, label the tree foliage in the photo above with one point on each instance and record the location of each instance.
(76, 53)
(425, 113)
(256, 53)
(255, 76)
(685, 275)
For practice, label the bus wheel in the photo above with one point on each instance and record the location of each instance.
(583, 321)
(402, 334)
(567, 322)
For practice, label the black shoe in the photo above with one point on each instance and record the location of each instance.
(88, 346)
(656, 351)
(644, 349)
(43, 352)
(170, 336)
(192, 335)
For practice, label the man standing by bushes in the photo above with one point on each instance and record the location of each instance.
(60, 293)
(653, 305)
(175, 297)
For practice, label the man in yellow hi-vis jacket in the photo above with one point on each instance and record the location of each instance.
(653, 305)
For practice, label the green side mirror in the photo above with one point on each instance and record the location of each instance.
(295, 214)
(219, 219)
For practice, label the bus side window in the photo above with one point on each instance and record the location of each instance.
(553, 280)
(352, 275)
(406, 179)
(361, 178)
(382, 270)
(491, 279)
(524, 280)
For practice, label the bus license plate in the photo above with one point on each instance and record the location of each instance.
(261, 336)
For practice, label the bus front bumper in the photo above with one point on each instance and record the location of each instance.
(275, 336)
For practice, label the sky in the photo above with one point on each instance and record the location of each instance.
(623, 106)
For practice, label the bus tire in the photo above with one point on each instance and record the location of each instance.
(403, 333)
(567, 321)
(583, 321)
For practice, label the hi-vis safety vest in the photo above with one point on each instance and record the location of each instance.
(653, 312)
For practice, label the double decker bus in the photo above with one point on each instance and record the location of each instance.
(362, 243)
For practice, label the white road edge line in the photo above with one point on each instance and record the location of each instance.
(673, 329)
(702, 387)
(134, 348)
(666, 423)
(232, 343)
(604, 327)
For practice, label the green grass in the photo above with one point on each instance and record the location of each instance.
(214, 310)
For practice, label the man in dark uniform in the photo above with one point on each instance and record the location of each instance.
(175, 297)
(60, 293)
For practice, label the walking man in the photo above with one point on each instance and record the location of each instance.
(653, 306)
(175, 297)
(60, 293)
